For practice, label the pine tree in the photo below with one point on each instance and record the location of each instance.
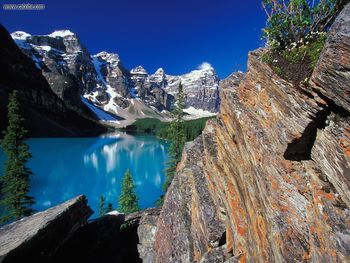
(102, 206)
(177, 137)
(128, 200)
(109, 207)
(15, 202)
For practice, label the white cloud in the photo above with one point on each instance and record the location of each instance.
(204, 66)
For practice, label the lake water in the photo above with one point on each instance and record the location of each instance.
(66, 167)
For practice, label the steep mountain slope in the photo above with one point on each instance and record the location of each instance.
(269, 180)
(105, 83)
(45, 113)
(64, 62)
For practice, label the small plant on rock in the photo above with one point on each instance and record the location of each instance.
(296, 33)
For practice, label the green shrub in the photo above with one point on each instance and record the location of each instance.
(278, 70)
(291, 21)
(295, 63)
(315, 49)
(311, 50)
(267, 57)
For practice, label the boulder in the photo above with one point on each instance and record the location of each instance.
(38, 237)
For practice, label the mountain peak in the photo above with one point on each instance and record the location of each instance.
(138, 70)
(107, 56)
(159, 71)
(62, 33)
(20, 35)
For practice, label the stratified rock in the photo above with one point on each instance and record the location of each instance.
(146, 232)
(276, 166)
(232, 81)
(36, 238)
(189, 224)
(279, 168)
(332, 74)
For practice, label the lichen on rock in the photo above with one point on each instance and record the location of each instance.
(272, 171)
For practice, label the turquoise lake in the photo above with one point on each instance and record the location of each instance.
(66, 167)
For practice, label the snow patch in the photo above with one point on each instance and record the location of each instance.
(20, 35)
(61, 33)
(97, 65)
(101, 114)
(114, 213)
(199, 112)
(45, 48)
(139, 70)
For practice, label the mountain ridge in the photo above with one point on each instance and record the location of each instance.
(105, 83)
(44, 112)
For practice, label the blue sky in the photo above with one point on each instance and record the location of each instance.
(177, 35)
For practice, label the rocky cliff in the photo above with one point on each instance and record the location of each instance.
(268, 181)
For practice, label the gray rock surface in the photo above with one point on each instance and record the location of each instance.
(146, 232)
(331, 76)
(39, 236)
(189, 225)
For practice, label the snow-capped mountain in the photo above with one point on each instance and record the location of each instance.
(45, 114)
(101, 82)
(64, 62)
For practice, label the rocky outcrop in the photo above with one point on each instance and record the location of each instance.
(189, 225)
(63, 234)
(334, 65)
(38, 237)
(146, 231)
(192, 223)
(273, 169)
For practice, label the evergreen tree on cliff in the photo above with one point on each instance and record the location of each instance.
(109, 207)
(15, 183)
(177, 137)
(128, 200)
(102, 206)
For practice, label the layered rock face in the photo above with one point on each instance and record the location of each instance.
(192, 223)
(334, 65)
(273, 169)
